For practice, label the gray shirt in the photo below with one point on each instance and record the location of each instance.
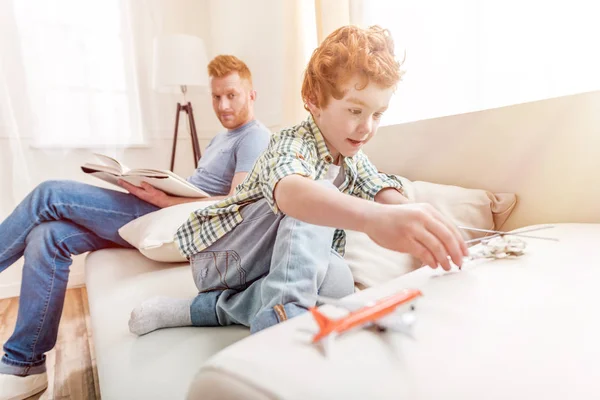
(227, 154)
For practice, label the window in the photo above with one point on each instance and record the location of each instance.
(468, 55)
(79, 72)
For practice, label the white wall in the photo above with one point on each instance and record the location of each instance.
(252, 32)
(469, 55)
(545, 151)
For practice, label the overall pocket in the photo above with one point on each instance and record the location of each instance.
(218, 270)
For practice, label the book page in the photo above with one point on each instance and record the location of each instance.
(155, 172)
(89, 168)
(112, 162)
(159, 172)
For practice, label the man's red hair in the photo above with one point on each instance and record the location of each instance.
(226, 64)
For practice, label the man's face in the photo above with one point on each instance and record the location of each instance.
(233, 100)
(349, 123)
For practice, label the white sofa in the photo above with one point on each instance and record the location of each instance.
(521, 328)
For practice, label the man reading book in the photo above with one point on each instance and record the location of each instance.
(62, 218)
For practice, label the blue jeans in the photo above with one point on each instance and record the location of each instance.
(56, 220)
(268, 269)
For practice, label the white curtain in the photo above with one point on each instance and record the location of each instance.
(76, 73)
(468, 55)
(13, 165)
(71, 73)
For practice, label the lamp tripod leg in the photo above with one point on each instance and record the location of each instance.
(194, 135)
(179, 107)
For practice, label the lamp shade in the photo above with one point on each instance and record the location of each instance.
(179, 60)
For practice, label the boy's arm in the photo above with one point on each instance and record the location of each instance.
(376, 186)
(373, 185)
(417, 229)
(391, 196)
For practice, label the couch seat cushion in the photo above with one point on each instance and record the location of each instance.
(520, 328)
(161, 364)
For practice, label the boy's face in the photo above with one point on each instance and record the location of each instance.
(349, 123)
(233, 100)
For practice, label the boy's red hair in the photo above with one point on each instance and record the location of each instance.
(226, 64)
(347, 51)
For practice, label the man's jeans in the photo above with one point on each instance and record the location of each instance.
(268, 269)
(56, 220)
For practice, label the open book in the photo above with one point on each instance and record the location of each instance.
(112, 170)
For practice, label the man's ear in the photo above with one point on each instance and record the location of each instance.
(253, 95)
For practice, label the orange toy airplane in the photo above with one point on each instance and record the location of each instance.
(393, 312)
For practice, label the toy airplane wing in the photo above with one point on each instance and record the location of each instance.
(398, 322)
(406, 296)
(350, 305)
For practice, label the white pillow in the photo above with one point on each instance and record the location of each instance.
(152, 234)
(372, 265)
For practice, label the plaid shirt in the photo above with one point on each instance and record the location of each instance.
(298, 150)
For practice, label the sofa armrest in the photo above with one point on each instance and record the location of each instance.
(511, 328)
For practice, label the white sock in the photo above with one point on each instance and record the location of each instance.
(160, 312)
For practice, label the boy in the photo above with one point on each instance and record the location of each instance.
(262, 256)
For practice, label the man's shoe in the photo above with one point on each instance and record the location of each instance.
(13, 387)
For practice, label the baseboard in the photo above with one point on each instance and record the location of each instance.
(14, 289)
(10, 290)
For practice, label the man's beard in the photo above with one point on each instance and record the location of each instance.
(239, 118)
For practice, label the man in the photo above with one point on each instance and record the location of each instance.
(62, 218)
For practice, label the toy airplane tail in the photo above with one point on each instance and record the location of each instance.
(325, 324)
(326, 333)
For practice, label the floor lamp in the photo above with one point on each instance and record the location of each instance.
(180, 61)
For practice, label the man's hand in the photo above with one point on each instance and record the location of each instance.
(418, 229)
(149, 194)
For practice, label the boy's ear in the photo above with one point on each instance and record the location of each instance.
(253, 95)
(312, 107)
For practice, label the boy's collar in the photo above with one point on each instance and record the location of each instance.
(322, 150)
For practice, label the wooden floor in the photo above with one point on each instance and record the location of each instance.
(72, 364)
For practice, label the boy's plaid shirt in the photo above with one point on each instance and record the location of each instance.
(298, 150)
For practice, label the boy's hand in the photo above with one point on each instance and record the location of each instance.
(148, 193)
(420, 230)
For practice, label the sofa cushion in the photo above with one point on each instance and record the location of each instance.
(161, 364)
(373, 265)
(518, 328)
(152, 234)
